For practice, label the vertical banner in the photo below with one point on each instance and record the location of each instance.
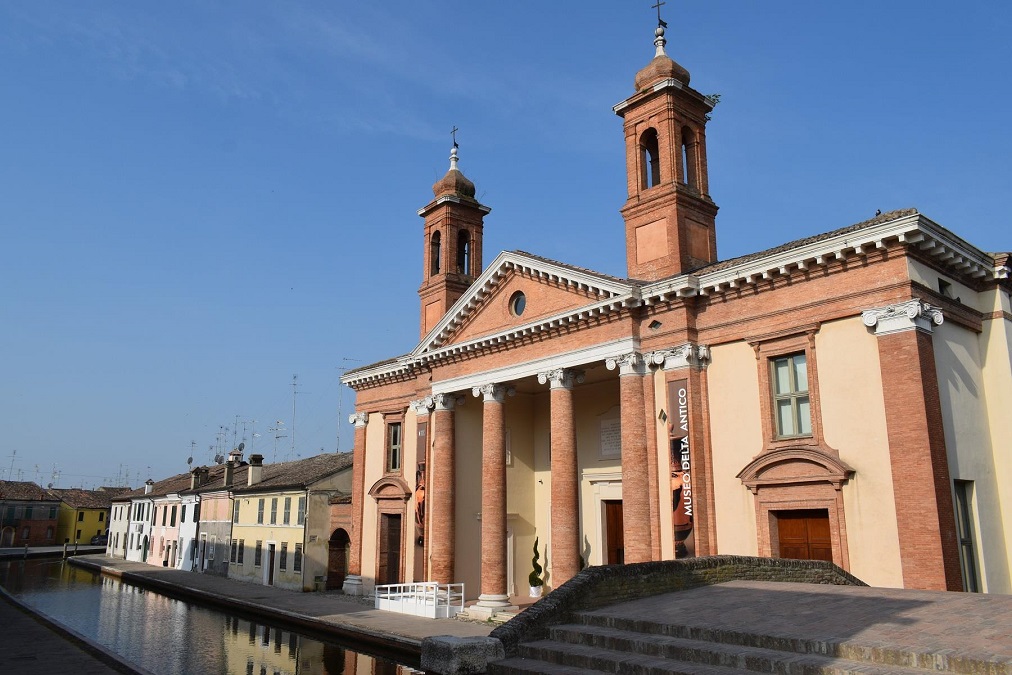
(681, 469)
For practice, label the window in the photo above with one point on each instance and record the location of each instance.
(518, 303)
(260, 512)
(650, 166)
(78, 535)
(49, 532)
(964, 526)
(182, 514)
(233, 553)
(80, 516)
(242, 551)
(258, 553)
(28, 513)
(297, 560)
(434, 253)
(302, 511)
(24, 533)
(213, 544)
(464, 252)
(165, 513)
(274, 511)
(394, 447)
(288, 510)
(689, 169)
(172, 520)
(101, 516)
(283, 560)
(52, 513)
(789, 375)
(196, 512)
(235, 511)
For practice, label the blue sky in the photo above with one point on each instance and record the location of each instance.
(200, 199)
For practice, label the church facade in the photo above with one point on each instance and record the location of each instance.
(842, 397)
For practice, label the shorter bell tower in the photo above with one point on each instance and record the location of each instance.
(669, 216)
(451, 258)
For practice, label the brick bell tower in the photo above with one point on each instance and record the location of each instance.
(669, 216)
(451, 258)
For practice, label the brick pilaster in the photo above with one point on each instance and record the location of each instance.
(493, 498)
(353, 582)
(565, 516)
(929, 553)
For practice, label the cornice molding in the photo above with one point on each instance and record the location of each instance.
(910, 315)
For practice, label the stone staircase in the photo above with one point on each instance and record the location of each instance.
(597, 642)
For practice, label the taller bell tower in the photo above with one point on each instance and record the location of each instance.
(669, 216)
(451, 258)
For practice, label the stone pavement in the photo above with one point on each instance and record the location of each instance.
(33, 647)
(327, 612)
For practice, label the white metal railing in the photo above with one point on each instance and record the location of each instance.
(424, 598)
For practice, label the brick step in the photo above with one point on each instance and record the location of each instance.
(552, 658)
(868, 651)
(710, 654)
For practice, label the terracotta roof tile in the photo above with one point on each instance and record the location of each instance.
(25, 491)
(83, 499)
(300, 473)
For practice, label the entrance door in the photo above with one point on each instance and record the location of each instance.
(613, 532)
(203, 551)
(337, 560)
(390, 549)
(270, 564)
(804, 534)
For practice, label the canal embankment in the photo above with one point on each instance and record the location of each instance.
(35, 644)
(330, 614)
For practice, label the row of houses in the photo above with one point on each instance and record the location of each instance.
(284, 524)
(31, 515)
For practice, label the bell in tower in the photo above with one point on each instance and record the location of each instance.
(669, 216)
(452, 249)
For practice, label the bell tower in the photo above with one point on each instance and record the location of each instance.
(669, 216)
(451, 257)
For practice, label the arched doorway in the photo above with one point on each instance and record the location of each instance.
(7, 537)
(337, 560)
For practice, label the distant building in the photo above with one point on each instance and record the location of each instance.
(281, 521)
(843, 397)
(83, 514)
(29, 515)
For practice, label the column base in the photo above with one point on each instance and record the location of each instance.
(352, 585)
(490, 605)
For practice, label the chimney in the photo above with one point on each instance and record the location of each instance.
(195, 478)
(149, 485)
(229, 472)
(256, 469)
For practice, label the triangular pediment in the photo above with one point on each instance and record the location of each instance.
(552, 291)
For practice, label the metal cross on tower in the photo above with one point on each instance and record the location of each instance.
(660, 22)
(453, 133)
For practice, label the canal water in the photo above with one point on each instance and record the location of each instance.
(173, 637)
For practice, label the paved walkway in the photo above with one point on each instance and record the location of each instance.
(329, 612)
(33, 647)
(968, 624)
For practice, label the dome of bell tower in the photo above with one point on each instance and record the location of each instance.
(454, 182)
(662, 67)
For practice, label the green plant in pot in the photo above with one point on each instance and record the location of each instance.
(534, 578)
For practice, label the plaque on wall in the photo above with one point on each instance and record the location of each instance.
(611, 438)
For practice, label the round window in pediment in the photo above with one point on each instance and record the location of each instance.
(518, 302)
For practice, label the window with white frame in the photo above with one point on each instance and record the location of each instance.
(791, 409)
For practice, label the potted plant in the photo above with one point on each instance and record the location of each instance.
(535, 580)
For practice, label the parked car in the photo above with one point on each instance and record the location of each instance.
(100, 540)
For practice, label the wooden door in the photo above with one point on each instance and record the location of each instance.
(337, 559)
(390, 549)
(270, 564)
(804, 534)
(615, 550)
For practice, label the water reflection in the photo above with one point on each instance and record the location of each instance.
(170, 637)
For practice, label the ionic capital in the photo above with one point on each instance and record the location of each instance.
(688, 355)
(444, 402)
(422, 406)
(911, 315)
(627, 364)
(359, 419)
(561, 378)
(493, 392)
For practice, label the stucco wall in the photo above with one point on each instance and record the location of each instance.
(736, 433)
(959, 362)
(854, 424)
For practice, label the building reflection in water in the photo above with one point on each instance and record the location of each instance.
(172, 637)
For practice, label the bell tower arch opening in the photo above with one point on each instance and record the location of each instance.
(650, 161)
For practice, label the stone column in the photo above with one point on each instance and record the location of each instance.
(925, 520)
(565, 515)
(442, 502)
(494, 596)
(353, 582)
(635, 481)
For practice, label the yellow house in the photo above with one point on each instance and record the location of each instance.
(281, 521)
(84, 514)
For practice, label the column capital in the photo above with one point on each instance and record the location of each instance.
(627, 364)
(688, 355)
(443, 402)
(903, 316)
(561, 378)
(359, 419)
(493, 392)
(422, 406)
